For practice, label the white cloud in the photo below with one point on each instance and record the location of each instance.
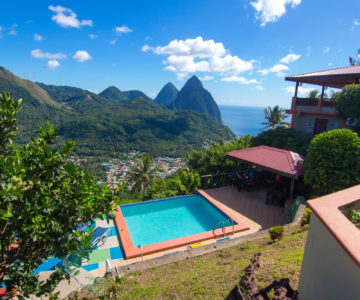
(308, 51)
(38, 37)
(271, 10)
(65, 17)
(290, 58)
(326, 49)
(93, 36)
(277, 69)
(355, 24)
(206, 77)
(81, 56)
(37, 53)
(52, 64)
(301, 90)
(259, 87)
(122, 29)
(12, 29)
(240, 79)
(113, 42)
(198, 55)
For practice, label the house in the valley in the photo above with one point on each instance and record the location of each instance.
(315, 115)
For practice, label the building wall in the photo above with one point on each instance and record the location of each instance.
(306, 123)
(327, 271)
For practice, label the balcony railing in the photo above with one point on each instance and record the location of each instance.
(314, 102)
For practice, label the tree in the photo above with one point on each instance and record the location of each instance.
(188, 183)
(333, 161)
(213, 160)
(284, 138)
(348, 104)
(355, 61)
(275, 117)
(313, 94)
(143, 174)
(43, 200)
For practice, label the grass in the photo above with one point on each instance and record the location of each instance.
(213, 275)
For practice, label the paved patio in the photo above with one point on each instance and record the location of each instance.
(250, 205)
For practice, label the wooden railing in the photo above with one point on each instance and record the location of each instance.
(326, 102)
(216, 180)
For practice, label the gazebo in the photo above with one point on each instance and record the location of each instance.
(275, 160)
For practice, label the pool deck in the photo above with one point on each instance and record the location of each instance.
(131, 251)
(247, 207)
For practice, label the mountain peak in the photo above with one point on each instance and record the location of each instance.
(194, 82)
(194, 97)
(167, 94)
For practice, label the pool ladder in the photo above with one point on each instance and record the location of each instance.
(224, 223)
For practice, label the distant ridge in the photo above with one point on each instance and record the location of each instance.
(108, 127)
(167, 94)
(194, 97)
(114, 95)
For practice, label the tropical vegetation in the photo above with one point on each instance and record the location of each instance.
(275, 117)
(43, 200)
(333, 161)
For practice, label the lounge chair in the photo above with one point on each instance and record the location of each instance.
(100, 234)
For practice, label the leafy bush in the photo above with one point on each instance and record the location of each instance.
(348, 104)
(306, 217)
(213, 160)
(333, 161)
(276, 232)
(355, 217)
(284, 138)
(188, 183)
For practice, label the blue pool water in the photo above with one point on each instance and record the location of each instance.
(162, 220)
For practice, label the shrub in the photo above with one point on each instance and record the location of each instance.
(333, 161)
(276, 232)
(306, 217)
(355, 217)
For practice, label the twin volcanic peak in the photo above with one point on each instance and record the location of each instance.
(193, 96)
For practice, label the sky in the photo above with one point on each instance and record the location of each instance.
(241, 50)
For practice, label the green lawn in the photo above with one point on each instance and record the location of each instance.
(213, 275)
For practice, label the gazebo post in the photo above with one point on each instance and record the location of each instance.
(292, 187)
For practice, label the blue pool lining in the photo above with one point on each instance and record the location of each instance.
(183, 196)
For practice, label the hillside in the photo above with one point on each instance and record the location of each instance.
(143, 125)
(106, 125)
(167, 94)
(113, 94)
(210, 276)
(194, 97)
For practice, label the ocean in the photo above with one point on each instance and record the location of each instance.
(243, 119)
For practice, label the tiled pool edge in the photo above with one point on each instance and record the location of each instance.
(132, 252)
(190, 253)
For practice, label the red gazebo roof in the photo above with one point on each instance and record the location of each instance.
(276, 160)
(336, 78)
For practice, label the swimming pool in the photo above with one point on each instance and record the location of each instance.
(168, 223)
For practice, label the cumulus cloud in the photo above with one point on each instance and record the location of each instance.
(37, 53)
(65, 17)
(290, 58)
(206, 77)
(81, 56)
(198, 55)
(271, 10)
(93, 36)
(52, 64)
(122, 29)
(277, 69)
(240, 79)
(38, 37)
(301, 90)
(326, 49)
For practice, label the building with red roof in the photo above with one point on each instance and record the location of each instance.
(315, 115)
